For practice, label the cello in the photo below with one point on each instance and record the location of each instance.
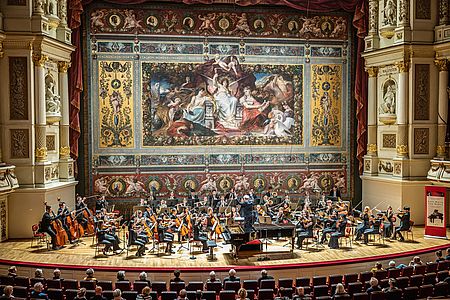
(61, 234)
(90, 226)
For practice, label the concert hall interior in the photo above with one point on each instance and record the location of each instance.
(306, 139)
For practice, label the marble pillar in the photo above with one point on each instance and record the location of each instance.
(40, 112)
(402, 109)
(442, 65)
(372, 111)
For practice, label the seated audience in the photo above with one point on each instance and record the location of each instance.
(12, 272)
(212, 277)
(300, 294)
(145, 294)
(340, 290)
(7, 292)
(447, 254)
(38, 291)
(374, 287)
(176, 277)
(90, 275)
(98, 294)
(117, 294)
(81, 295)
(231, 276)
(143, 277)
(39, 273)
(242, 294)
(391, 265)
(416, 261)
(439, 256)
(182, 295)
(280, 293)
(57, 275)
(378, 267)
(391, 287)
(121, 276)
(264, 276)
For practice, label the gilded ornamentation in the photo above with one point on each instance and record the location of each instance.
(441, 64)
(63, 66)
(423, 9)
(19, 143)
(41, 154)
(39, 59)
(403, 66)
(421, 140)
(2, 53)
(372, 71)
(18, 88)
(389, 140)
(50, 142)
(116, 104)
(402, 150)
(372, 148)
(441, 151)
(64, 152)
(422, 92)
(3, 221)
(325, 106)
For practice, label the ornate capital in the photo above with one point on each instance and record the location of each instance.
(372, 149)
(63, 66)
(1, 50)
(402, 150)
(403, 66)
(41, 154)
(39, 59)
(64, 152)
(372, 71)
(441, 151)
(441, 64)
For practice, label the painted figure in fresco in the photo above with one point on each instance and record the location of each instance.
(134, 186)
(226, 66)
(241, 183)
(173, 106)
(390, 13)
(101, 185)
(209, 184)
(207, 22)
(195, 111)
(253, 113)
(170, 20)
(280, 89)
(97, 19)
(340, 28)
(277, 124)
(325, 102)
(288, 116)
(389, 99)
(226, 103)
(258, 24)
(116, 101)
(130, 21)
(242, 23)
(293, 26)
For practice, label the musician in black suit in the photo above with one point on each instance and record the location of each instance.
(213, 199)
(63, 212)
(405, 219)
(199, 235)
(135, 239)
(335, 192)
(165, 236)
(247, 212)
(107, 237)
(340, 231)
(47, 227)
(101, 203)
(79, 207)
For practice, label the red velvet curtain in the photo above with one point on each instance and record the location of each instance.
(360, 19)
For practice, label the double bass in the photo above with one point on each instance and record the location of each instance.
(61, 234)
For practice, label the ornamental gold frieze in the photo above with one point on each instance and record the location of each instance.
(441, 64)
(441, 150)
(372, 71)
(372, 148)
(64, 151)
(63, 66)
(402, 150)
(41, 154)
(402, 66)
(39, 59)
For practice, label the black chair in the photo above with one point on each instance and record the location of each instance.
(408, 271)
(443, 265)
(365, 276)
(55, 294)
(70, 293)
(286, 292)
(189, 295)
(410, 293)
(33, 281)
(209, 295)
(54, 284)
(320, 290)
(70, 284)
(215, 286)
(354, 287)
(139, 285)
(159, 287)
(265, 294)
(87, 284)
(6, 280)
(154, 295)
(195, 286)
(343, 297)
(394, 273)
(394, 295)
(432, 267)
(227, 295)
(232, 286)
(319, 280)
(267, 284)
(22, 281)
(177, 286)
(441, 275)
(168, 295)
(285, 282)
(380, 274)
(420, 269)
(105, 284)
(429, 278)
(123, 285)
(441, 289)
(251, 294)
(90, 294)
(402, 282)
(130, 295)
(250, 285)
(349, 278)
(378, 295)
(109, 294)
(426, 291)
(323, 298)
(360, 296)
(302, 281)
(20, 291)
(416, 280)
(334, 279)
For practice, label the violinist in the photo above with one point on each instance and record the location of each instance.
(329, 208)
(213, 199)
(307, 203)
(405, 219)
(367, 214)
(165, 236)
(389, 222)
(330, 226)
(101, 203)
(374, 227)
(148, 213)
(335, 193)
(251, 195)
(305, 226)
(280, 217)
(231, 215)
(221, 203)
(79, 207)
(135, 239)
(341, 224)
(323, 201)
(108, 237)
(46, 225)
(199, 235)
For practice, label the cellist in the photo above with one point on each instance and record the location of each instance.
(79, 207)
(63, 213)
(46, 225)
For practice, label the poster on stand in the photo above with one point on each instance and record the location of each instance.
(435, 211)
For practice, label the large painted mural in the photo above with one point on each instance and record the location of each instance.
(184, 97)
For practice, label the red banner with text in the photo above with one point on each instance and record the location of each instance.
(435, 211)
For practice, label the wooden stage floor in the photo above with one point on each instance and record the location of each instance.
(83, 255)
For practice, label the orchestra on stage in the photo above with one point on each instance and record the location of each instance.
(235, 218)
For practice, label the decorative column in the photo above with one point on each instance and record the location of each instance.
(443, 12)
(40, 109)
(442, 65)
(371, 159)
(403, 30)
(372, 40)
(38, 8)
(65, 162)
(63, 33)
(402, 109)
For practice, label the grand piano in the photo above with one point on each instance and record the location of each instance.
(236, 236)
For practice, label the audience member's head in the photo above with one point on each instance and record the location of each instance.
(242, 293)
(176, 273)
(182, 293)
(392, 264)
(146, 291)
(373, 282)
(81, 292)
(439, 254)
(56, 273)
(416, 260)
(378, 266)
(212, 275)
(143, 276)
(98, 290)
(38, 273)
(340, 289)
(90, 272)
(12, 270)
(232, 273)
(392, 282)
(8, 290)
(121, 275)
(117, 294)
(448, 251)
(301, 291)
(264, 273)
(38, 287)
